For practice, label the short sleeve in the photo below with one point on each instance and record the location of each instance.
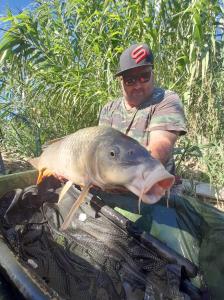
(169, 114)
(104, 118)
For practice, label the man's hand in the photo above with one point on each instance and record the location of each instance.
(161, 144)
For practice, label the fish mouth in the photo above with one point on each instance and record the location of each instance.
(153, 187)
(158, 189)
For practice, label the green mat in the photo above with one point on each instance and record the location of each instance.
(17, 180)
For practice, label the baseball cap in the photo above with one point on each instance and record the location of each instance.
(135, 56)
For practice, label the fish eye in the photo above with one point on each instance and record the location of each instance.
(112, 153)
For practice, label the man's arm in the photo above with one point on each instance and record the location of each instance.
(161, 144)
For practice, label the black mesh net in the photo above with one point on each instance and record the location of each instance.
(97, 257)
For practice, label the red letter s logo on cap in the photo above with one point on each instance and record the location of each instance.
(139, 54)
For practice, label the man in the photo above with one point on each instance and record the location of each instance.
(151, 115)
(155, 117)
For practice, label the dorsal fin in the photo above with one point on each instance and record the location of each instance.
(48, 143)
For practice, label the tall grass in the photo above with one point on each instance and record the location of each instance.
(200, 161)
(57, 65)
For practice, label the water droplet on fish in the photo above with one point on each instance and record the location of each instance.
(82, 217)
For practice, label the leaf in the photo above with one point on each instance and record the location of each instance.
(205, 62)
(3, 56)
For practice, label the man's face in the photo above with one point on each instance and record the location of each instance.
(137, 85)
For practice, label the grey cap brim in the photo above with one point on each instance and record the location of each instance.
(135, 67)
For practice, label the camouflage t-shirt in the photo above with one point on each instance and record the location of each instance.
(162, 111)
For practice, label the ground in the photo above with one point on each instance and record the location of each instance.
(13, 163)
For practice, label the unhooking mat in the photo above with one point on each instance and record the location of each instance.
(192, 228)
(101, 256)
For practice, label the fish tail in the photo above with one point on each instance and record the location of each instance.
(40, 177)
(34, 162)
(43, 173)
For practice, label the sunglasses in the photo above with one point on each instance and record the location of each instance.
(142, 78)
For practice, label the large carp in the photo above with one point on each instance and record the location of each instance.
(104, 157)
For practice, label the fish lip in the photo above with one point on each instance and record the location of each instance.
(129, 163)
(150, 182)
(155, 191)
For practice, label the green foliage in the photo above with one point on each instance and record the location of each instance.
(202, 162)
(213, 162)
(57, 64)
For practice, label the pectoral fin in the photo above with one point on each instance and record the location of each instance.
(66, 187)
(75, 206)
